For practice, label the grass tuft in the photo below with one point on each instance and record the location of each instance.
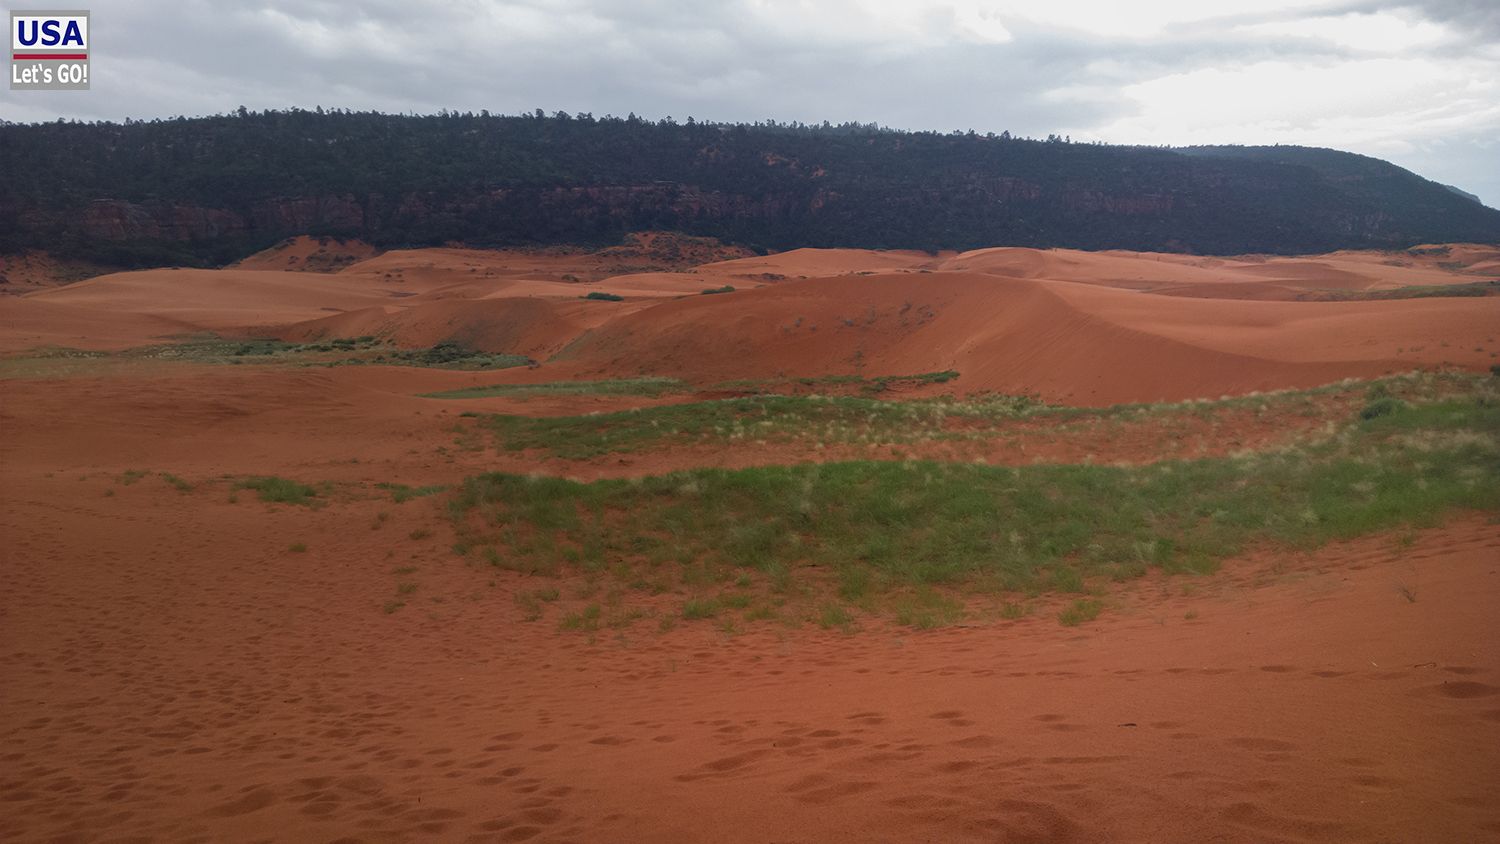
(1081, 610)
(401, 493)
(279, 490)
(617, 387)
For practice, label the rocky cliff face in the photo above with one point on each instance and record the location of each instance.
(118, 220)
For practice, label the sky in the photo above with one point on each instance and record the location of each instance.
(1417, 83)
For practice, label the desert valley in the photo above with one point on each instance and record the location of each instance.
(674, 541)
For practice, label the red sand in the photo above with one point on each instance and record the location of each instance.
(309, 254)
(1083, 328)
(169, 670)
(1070, 342)
(174, 682)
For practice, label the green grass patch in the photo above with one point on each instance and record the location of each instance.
(867, 385)
(885, 529)
(601, 296)
(927, 608)
(1433, 291)
(773, 418)
(618, 387)
(711, 291)
(835, 616)
(863, 420)
(446, 355)
(341, 351)
(279, 490)
(586, 619)
(699, 608)
(130, 476)
(1081, 610)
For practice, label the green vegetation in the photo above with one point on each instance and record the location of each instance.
(1383, 406)
(711, 291)
(780, 418)
(867, 386)
(927, 608)
(401, 493)
(618, 387)
(587, 619)
(699, 608)
(601, 296)
(884, 530)
(822, 420)
(279, 490)
(1426, 291)
(835, 616)
(447, 355)
(1084, 609)
(211, 349)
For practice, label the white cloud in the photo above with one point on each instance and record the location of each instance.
(1380, 32)
(1140, 18)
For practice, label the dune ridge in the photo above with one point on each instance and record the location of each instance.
(1080, 327)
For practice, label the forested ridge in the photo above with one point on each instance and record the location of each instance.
(209, 190)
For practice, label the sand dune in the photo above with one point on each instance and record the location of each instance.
(1076, 343)
(812, 263)
(1077, 327)
(309, 254)
(30, 323)
(229, 301)
(181, 661)
(528, 326)
(1246, 277)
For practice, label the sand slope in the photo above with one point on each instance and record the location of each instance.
(309, 254)
(1079, 327)
(172, 669)
(1071, 342)
(176, 683)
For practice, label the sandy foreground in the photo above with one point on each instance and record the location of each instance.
(171, 674)
(171, 670)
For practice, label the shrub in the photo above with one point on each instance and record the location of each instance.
(601, 296)
(833, 615)
(1086, 609)
(728, 288)
(1380, 407)
(699, 609)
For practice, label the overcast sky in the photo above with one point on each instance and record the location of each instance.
(1414, 83)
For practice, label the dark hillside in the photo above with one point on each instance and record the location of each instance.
(209, 190)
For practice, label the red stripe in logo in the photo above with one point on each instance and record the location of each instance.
(49, 56)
